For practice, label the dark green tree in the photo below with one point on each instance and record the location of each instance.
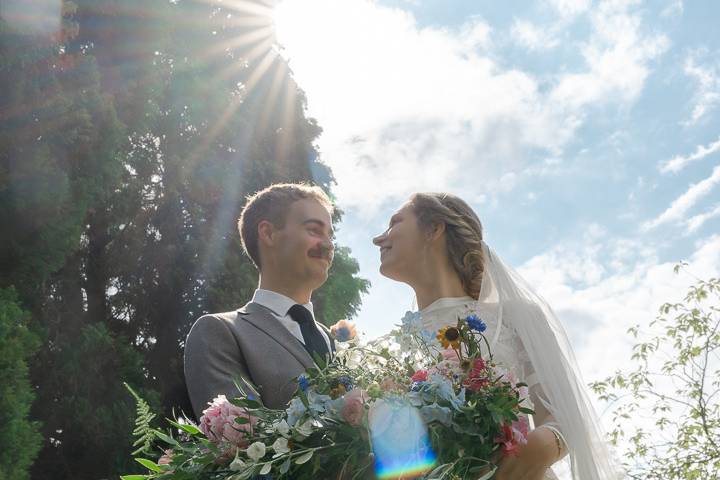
(20, 438)
(133, 140)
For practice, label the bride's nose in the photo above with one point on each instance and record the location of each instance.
(377, 240)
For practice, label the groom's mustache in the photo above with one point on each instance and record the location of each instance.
(324, 251)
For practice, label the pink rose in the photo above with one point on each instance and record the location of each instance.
(477, 378)
(166, 459)
(388, 384)
(219, 425)
(450, 354)
(513, 437)
(353, 408)
(420, 376)
(343, 331)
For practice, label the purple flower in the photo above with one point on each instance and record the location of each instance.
(475, 323)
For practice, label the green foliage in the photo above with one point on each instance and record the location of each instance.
(676, 381)
(20, 439)
(143, 430)
(92, 415)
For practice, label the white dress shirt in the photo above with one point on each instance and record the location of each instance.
(279, 304)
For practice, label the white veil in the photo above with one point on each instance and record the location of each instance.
(551, 356)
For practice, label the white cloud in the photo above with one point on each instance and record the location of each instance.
(533, 37)
(684, 202)
(617, 54)
(694, 223)
(679, 162)
(570, 8)
(409, 108)
(707, 77)
(674, 8)
(597, 314)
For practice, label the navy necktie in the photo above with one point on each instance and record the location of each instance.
(314, 341)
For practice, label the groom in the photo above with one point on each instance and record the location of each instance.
(286, 230)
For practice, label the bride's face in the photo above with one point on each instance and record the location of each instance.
(401, 246)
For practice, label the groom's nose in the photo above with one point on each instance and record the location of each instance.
(377, 240)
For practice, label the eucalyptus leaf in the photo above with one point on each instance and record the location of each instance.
(304, 457)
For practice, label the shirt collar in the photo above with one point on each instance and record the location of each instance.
(277, 302)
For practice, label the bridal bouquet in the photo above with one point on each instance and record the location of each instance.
(410, 405)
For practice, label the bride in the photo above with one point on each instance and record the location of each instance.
(434, 244)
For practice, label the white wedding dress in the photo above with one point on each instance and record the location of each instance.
(506, 346)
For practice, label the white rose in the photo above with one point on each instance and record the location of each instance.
(306, 428)
(256, 451)
(282, 427)
(237, 464)
(281, 446)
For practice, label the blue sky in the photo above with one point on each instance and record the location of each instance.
(585, 134)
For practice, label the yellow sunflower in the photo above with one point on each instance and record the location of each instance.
(449, 337)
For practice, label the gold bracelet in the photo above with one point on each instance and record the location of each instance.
(558, 441)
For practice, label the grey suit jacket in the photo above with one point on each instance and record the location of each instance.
(249, 343)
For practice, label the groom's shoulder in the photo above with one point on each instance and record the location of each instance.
(214, 321)
(232, 319)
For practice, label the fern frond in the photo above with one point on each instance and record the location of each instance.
(143, 432)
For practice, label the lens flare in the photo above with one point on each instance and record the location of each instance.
(400, 440)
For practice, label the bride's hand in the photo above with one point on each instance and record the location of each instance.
(533, 459)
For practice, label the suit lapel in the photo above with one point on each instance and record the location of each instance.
(264, 320)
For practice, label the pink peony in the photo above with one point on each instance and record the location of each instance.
(219, 425)
(353, 408)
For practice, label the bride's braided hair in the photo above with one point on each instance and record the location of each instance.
(463, 232)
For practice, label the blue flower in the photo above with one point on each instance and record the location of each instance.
(317, 402)
(411, 319)
(416, 386)
(346, 382)
(303, 382)
(427, 337)
(295, 411)
(475, 323)
(436, 413)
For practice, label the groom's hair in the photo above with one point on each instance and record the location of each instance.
(272, 204)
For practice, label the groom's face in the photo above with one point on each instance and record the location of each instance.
(303, 248)
(400, 245)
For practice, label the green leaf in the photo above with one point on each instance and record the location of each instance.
(149, 464)
(304, 457)
(488, 475)
(191, 429)
(166, 438)
(246, 402)
(266, 468)
(135, 477)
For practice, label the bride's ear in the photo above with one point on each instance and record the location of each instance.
(436, 231)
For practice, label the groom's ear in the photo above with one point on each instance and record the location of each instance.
(266, 232)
